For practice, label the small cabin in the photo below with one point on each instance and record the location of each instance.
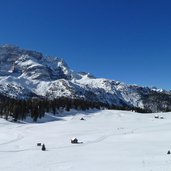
(74, 140)
(82, 119)
(39, 144)
(156, 116)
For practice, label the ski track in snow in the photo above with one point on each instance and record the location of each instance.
(18, 138)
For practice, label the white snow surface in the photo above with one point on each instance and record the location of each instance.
(112, 141)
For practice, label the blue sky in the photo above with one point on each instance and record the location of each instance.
(126, 40)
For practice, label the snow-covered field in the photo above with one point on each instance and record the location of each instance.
(112, 141)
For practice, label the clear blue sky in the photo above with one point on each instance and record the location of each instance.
(126, 40)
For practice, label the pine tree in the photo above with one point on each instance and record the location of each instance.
(43, 148)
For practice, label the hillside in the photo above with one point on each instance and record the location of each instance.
(25, 74)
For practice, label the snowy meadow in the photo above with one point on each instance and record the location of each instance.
(107, 141)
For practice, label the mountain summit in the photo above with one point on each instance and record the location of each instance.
(28, 74)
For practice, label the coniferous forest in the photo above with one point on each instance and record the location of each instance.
(19, 109)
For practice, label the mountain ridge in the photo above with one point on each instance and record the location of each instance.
(28, 74)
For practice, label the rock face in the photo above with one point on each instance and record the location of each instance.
(27, 74)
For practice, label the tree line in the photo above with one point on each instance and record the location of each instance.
(19, 109)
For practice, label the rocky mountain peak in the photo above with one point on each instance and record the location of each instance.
(15, 61)
(12, 51)
(28, 74)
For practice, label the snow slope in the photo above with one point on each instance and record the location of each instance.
(112, 140)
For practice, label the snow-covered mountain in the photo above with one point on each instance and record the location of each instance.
(27, 74)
